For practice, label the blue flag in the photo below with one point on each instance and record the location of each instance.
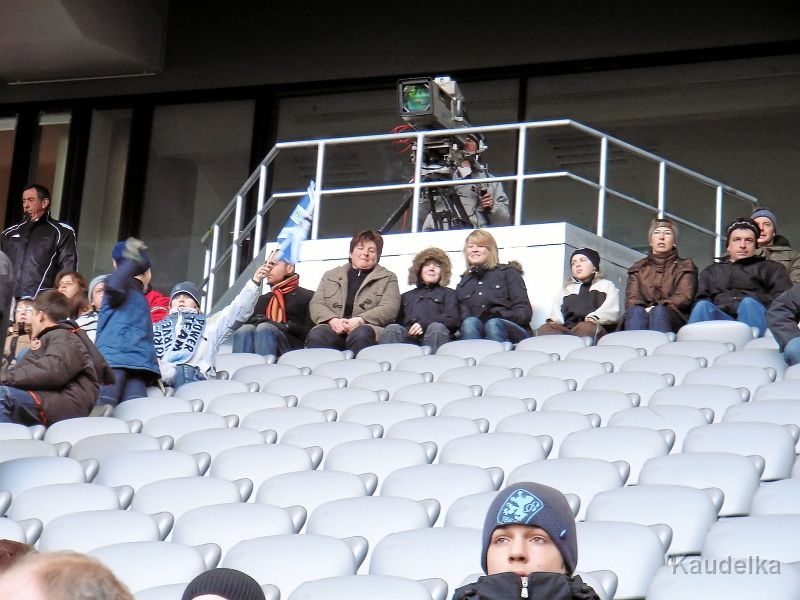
(297, 226)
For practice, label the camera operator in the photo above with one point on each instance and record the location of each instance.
(485, 205)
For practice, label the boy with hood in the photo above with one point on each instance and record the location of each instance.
(429, 313)
(529, 549)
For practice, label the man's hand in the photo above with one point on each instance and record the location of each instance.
(261, 273)
(487, 200)
(415, 330)
(353, 323)
(338, 325)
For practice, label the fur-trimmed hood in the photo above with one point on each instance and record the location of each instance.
(426, 255)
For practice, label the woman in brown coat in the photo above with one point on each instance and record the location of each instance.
(661, 287)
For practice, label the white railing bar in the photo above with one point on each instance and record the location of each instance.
(417, 182)
(209, 299)
(236, 247)
(601, 192)
(318, 182)
(718, 222)
(259, 218)
(519, 192)
(662, 187)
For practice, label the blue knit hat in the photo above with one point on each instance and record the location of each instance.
(186, 287)
(119, 248)
(536, 505)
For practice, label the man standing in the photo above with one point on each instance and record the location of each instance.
(39, 246)
(773, 246)
(741, 286)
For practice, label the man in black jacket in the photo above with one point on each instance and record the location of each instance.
(741, 286)
(782, 318)
(38, 247)
(280, 320)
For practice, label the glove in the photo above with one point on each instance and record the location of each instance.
(134, 249)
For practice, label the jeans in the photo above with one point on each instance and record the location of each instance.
(186, 374)
(12, 400)
(322, 336)
(660, 318)
(791, 353)
(263, 339)
(499, 330)
(434, 336)
(750, 312)
(128, 383)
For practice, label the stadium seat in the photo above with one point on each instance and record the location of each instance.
(140, 468)
(474, 349)
(350, 369)
(368, 587)
(393, 354)
(177, 425)
(20, 474)
(214, 441)
(281, 420)
(716, 397)
(435, 364)
(774, 443)
(492, 408)
(386, 414)
(558, 344)
(470, 510)
(603, 403)
(234, 361)
(481, 375)
(732, 332)
(48, 502)
(74, 430)
(85, 531)
(674, 364)
(261, 462)
(644, 339)
(792, 372)
(340, 399)
(300, 385)
(538, 387)
(390, 381)
(100, 447)
(760, 357)
(572, 368)
(737, 476)
(780, 412)
(181, 494)
(787, 389)
(11, 449)
(504, 450)
(310, 489)
(242, 404)
(311, 357)
(634, 445)
(769, 537)
(678, 419)
(438, 393)
(27, 531)
(777, 497)
(631, 382)
(556, 424)
(379, 456)
(438, 430)
(263, 374)
(327, 435)
(767, 342)
(524, 360)
(708, 351)
(15, 431)
(211, 388)
(144, 409)
(616, 355)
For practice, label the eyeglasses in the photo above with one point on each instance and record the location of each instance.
(24, 310)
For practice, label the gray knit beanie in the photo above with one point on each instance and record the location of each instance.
(537, 505)
(228, 583)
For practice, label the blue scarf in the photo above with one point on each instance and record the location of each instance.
(178, 336)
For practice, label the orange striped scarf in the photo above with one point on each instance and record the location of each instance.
(276, 307)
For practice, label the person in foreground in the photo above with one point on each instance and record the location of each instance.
(529, 548)
(782, 318)
(223, 584)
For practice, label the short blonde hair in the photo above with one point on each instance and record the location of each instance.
(485, 239)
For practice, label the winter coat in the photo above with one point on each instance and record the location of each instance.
(602, 303)
(298, 320)
(669, 280)
(376, 301)
(39, 250)
(64, 374)
(783, 316)
(781, 252)
(498, 292)
(539, 586)
(430, 303)
(726, 283)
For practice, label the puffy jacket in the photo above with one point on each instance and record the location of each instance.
(783, 316)
(669, 280)
(726, 283)
(64, 373)
(429, 303)
(498, 292)
(601, 303)
(538, 586)
(39, 250)
(781, 252)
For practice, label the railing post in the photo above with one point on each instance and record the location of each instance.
(718, 223)
(662, 188)
(212, 274)
(318, 181)
(236, 247)
(601, 193)
(417, 182)
(522, 131)
(262, 192)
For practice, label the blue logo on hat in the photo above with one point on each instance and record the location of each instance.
(520, 507)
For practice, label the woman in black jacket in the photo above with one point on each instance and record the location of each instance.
(492, 297)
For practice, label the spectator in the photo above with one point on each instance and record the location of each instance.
(74, 286)
(429, 313)
(588, 304)
(661, 286)
(88, 320)
(124, 329)
(18, 339)
(61, 576)
(354, 302)
(223, 584)
(529, 549)
(280, 320)
(7, 289)
(158, 302)
(59, 377)
(782, 317)
(773, 246)
(742, 285)
(492, 297)
(187, 340)
(11, 552)
(39, 246)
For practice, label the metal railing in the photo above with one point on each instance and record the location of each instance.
(223, 247)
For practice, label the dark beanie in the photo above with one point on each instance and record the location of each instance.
(592, 255)
(228, 583)
(119, 247)
(537, 505)
(744, 223)
(186, 287)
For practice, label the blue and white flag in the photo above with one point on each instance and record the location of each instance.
(297, 227)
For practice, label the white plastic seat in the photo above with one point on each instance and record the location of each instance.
(482, 375)
(176, 425)
(261, 462)
(365, 587)
(631, 382)
(767, 342)
(524, 360)
(538, 387)
(138, 469)
(27, 531)
(144, 409)
(701, 395)
(689, 512)
(210, 389)
(262, 374)
(777, 497)
(792, 372)
(438, 430)
(678, 419)
(74, 430)
(438, 393)
(492, 408)
(774, 443)
(228, 524)
(634, 445)
(379, 456)
(20, 474)
(390, 381)
(504, 450)
(214, 441)
(554, 344)
(85, 531)
(444, 483)
(764, 358)
(327, 435)
(367, 517)
(674, 364)
(311, 489)
(349, 369)
(242, 404)
(643, 338)
(295, 559)
(474, 349)
(770, 537)
(181, 494)
(787, 389)
(143, 565)
(21, 448)
(556, 424)
(281, 420)
(732, 332)
(733, 375)
(300, 385)
(393, 354)
(737, 476)
(435, 364)
(584, 477)
(232, 362)
(15, 431)
(647, 544)
(603, 403)
(695, 348)
(572, 368)
(340, 399)
(100, 447)
(779, 412)
(48, 502)
(616, 355)
(385, 414)
(311, 357)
